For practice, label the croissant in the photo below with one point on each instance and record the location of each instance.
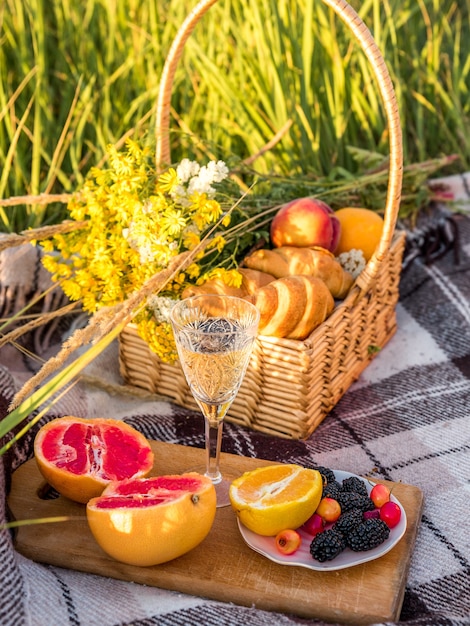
(292, 307)
(252, 280)
(290, 260)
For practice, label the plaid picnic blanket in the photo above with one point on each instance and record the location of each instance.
(408, 416)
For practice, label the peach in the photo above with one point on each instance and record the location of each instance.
(305, 222)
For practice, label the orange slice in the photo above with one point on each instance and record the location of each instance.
(148, 521)
(276, 497)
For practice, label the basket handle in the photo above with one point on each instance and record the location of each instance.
(372, 52)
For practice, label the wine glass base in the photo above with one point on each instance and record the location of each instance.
(221, 492)
(221, 488)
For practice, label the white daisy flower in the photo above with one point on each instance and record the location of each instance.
(218, 170)
(161, 307)
(187, 169)
(352, 261)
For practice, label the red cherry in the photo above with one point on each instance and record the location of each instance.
(390, 513)
(379, 495)
(329, 509)
(288, 541)
(314, 525)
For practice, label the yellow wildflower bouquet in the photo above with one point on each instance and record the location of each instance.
(136, 221)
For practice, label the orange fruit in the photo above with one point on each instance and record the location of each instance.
(361, 229)
(270, 499)
(148, 521)
(79, 457)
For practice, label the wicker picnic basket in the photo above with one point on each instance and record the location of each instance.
(292, 385)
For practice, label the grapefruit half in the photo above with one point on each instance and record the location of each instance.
(149, 521)
(79, 456)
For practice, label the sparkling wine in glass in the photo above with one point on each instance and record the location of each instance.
(214, 337)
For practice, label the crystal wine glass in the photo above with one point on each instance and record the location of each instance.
(214, 337)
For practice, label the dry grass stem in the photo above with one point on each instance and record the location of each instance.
(107, 319)
(103, 321)
(36, 323)
(43, 232)
(42, 198)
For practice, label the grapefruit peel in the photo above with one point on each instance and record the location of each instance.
(150, 521)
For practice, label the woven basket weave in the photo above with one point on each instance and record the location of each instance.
(291, 385)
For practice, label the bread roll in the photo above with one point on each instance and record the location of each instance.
(292, 261)
(292, 307)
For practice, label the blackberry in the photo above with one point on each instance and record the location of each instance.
(348, 521)
(369, 534)
(327, 474)
(332, 490)
(327, 545)
(356, 485)
(351, 500)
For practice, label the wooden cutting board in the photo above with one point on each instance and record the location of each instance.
(222, 567)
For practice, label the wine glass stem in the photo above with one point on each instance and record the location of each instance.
(213, 432)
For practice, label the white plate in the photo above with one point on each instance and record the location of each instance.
(302, 557)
